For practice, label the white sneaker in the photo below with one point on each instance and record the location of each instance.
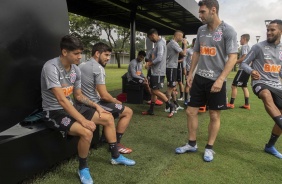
(186, 148)
(208, 155)
(179, 108)
(180, 99)
(168, 110)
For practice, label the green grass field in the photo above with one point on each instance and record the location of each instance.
(239, 147)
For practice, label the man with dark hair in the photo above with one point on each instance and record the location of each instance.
(241, 78)
(173, 52)
(157, 72)
(60, 86)
(187, 65)
(93, 85)
(134, 71)
(215, 52)
(266, 59)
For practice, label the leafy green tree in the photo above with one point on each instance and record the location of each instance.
(86, 30)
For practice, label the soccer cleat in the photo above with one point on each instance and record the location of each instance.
(273, 151)
(230, 106)
(202, 109)
(122, 149)
(208, 155)
(180, 99)
(84, 176)
(186, 102)
(179, 108)
(122, 160)
(157, 102)
(186, 148)
(148, 112)
(246, 107)
(170, 114)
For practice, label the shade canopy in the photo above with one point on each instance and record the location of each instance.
(164, 15)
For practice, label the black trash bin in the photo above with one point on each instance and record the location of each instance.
(124, 83)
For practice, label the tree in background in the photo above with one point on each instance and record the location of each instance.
(86, 30)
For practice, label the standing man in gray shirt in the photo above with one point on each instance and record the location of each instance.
(93, 85)
(241, 78)
(60, 86)
(173, 52)
(215, 52)
(157, 72)
(266, 58)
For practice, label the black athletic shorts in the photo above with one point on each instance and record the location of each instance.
(275, 93)
(156, 82)
(201, 95)
(115, 109)
(171, 74)
(61, 121)
(241, 79)
(179, 77)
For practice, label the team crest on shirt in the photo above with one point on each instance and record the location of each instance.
(280, 55)
(72, 76)
(66, 121)
(217, 36)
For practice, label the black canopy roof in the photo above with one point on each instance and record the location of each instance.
(164, 15)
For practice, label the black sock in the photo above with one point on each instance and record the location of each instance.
(114, 150)
(192, 143)
(209, 146)
(272, 140)
(186, 96)
(167, 104)
(119, 136)
(152, 106)
(232, 100)
(82, 163)
(181, 94)
(278, 121)
(175, 102)
(247, 101)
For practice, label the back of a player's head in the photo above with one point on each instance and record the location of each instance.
(152, 31)
(209, 4)
(278, 22)
(246, 36)
(100, 47)
(142, 53)
(70, 43)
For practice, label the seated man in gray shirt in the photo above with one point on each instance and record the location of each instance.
(60, 85)
(135, 74)
(93, 86)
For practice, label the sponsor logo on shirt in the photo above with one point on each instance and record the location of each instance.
(217, 36)
(271, 68)
(208, 51)
(68, 90)
(206, 73)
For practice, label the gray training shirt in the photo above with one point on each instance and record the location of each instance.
(188, 58)
(135, 70)
(245, 49)
(173, 50)
(214, 48)
(93, 74)
(54, 75)
(266, 58)
(159, 59)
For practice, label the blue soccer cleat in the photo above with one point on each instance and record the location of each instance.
(273, 151)
(122, 160)
(84, 176)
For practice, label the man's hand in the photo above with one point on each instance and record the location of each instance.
(255, 75)
(217, 85)
(184, 41)
(190, 80)
(145, 81)
(100, 110)
(90, 125)
(149, 63)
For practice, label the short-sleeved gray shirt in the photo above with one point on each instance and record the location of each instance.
(188, 59)
(159, 59)
(173, 50)
(266, 58)
(134, 70)
(93, 74)
(54, 75)
(214, 48)
(244, 51)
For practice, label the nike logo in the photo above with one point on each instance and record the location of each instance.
(219, 106)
